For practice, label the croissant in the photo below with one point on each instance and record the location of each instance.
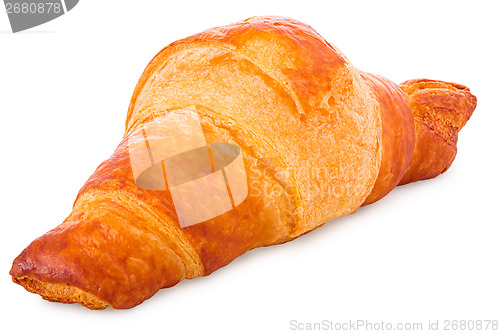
(294, 135)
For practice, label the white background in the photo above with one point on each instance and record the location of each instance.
(428, 251)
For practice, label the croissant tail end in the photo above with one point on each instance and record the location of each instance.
(440, 110)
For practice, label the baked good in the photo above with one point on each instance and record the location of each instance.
(317, 139)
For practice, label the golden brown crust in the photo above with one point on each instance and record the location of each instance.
(440, 110)
(312, 135)
(106, 256)
(398, 139)
(277, 104)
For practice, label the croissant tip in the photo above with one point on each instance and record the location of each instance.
(23, 272)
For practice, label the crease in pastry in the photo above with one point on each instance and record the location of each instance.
(162, 227)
